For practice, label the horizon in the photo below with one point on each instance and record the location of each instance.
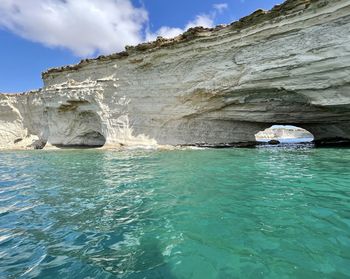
(27, 50)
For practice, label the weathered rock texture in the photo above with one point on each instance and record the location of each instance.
(290, 65)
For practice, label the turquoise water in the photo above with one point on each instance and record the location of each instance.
(287, 140)
(280, 212)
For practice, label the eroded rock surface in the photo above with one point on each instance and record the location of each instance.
(216, 86)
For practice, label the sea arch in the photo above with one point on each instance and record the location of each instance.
(284, 134)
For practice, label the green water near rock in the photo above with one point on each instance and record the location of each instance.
(281, 212)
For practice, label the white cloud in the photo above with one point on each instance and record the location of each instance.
(165, 32)
(84, 27)
(204, 20)
(88, 27)
(220, 7)
(201, 20)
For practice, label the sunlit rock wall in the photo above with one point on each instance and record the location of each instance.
(208, 86)
(21, 120)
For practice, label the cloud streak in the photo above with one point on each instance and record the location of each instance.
(221, 7)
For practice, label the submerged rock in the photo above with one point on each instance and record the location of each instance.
(218, 86)
(273, 142)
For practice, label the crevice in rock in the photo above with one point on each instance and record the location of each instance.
(72, 105)
(332, 142)
(17, 140)
(38, 144)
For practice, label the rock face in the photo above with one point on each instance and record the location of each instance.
(288, 66)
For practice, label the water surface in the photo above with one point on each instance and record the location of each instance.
(270, 212)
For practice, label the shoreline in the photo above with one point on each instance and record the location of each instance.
(311, 144)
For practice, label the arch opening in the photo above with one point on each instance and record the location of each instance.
(90, 139)
(77, 125)
(284, 134)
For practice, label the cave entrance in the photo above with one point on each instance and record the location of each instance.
(89, 139)
(284, 134)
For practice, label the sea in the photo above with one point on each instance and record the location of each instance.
(266, 212)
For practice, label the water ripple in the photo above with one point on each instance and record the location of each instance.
(235, 213)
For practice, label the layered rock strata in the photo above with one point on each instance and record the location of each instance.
(288, 66)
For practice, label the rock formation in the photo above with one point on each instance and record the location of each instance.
(290, 65)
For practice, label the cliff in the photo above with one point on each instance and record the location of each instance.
(290, 65)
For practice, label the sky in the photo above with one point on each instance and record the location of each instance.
(39, 34)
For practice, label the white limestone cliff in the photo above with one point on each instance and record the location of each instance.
(216, 86)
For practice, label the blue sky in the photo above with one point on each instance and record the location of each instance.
(38, 34)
